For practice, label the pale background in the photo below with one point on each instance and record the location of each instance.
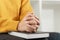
(49, 16)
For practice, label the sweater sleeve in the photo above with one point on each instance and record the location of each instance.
(25, 8)
(7, 25)
(11, 25)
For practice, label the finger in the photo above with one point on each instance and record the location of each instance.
(29, 18)
(29, 29)
(33, 19)
(36, 17)
(32, 27)
(38, 22)
(36, 26)
(32, 22)
(35, 30)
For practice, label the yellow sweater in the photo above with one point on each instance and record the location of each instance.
(11, 12)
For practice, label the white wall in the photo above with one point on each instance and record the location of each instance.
(57, 20)
(47, 20)
(52, 23)
(51, 0)
(46, 17)
(35, 5)
(56, 7)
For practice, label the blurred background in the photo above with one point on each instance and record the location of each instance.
(50, 15)
(48, 11)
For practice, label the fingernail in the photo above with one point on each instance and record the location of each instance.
(34, 30)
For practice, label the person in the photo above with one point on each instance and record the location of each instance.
(17, 15)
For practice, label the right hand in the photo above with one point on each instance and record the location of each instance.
(24, 25)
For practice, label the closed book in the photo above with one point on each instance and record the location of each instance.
(30, 35)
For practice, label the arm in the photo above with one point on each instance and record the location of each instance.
(7, 25)
(25, 8)
(11, 25)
